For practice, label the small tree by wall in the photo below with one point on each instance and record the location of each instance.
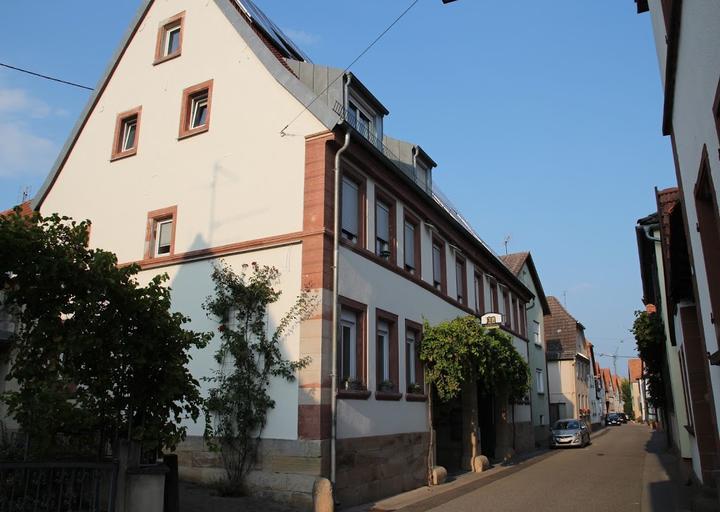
(627, 398)
(460, 349)
(649, 332)
(96, 355)
(248, 357)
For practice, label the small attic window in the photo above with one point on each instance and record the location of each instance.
(423, 176)
(195, 113)
(169, 38)
(365, 120)
(127, 131)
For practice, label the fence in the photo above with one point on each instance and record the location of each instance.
(57, 487)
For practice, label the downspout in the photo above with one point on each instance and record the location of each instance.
(336, 261)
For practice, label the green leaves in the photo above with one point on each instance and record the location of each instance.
(649, 332)
(454, 350)
(248, 356)
(95, 351)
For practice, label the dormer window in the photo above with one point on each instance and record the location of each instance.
(361, 121)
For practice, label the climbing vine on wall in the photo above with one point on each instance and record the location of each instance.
(649, 332)
(248, 358)
(454, 350)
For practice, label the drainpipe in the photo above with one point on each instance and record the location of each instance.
(336, 261)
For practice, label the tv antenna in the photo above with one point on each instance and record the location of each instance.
(506, 242)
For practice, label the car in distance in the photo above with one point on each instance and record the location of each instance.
(569, 432)
(623, 417)
(613, 419)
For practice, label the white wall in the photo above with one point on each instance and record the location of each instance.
(191, 284)
(239, 181)
(693, 124)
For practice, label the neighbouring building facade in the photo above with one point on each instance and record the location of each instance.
(686, 40)
(568, 364)
(523, 266)
(596, 390)
(184, 157)
(638, 390)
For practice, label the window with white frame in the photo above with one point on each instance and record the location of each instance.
(536, 333)
(171, 43)
(127, 131)
(479, 293)
(199, 110)
(460, 280)
(437, 262)
(540, 380)
(410, 243)
(361, 120)
(163, 237)
(128, 135)
(382, 229)
(383, 348)
(169, 38)
(350, 214)
(348, 345)
(410, 357)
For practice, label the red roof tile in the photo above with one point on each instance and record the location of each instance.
(515, 261)
(560, 330)
(25, 209)
(635, 369)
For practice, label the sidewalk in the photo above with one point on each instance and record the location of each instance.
(459, 485)
(665, 483)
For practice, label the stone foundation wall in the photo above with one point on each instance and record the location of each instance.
(371, 468)
(524, 439)
(284, 471)
(542, 436)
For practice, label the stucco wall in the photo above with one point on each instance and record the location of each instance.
(239, 181)
(693, 125)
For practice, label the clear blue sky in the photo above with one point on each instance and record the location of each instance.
(544, 117)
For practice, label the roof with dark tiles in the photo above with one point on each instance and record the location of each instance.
(561, 331)
(515, 262)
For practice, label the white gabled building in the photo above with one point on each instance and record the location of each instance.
(179, 161)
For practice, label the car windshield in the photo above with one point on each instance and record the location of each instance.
(566, 425)
(612, 416)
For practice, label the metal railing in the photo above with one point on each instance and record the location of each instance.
(364, 130)
(57, 486)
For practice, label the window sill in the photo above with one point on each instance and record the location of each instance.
(388, 395)
(166, 58)
(352, 394)
(416, 397)
(124, 154)
(185, 134)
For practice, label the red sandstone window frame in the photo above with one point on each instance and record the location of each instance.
(412, 220)
(190, 96)
(122, 120)
(440, 285)
(416, 328)
(154, 219)
(361, 183)
(164, 29)
(360, 311)
(391, 320)
(461, 294)
(479, 283)
(386, 199)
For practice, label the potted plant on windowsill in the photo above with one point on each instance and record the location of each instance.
(415, 389)
(386, 386)
(353, 384)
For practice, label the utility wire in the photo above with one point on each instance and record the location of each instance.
(367, 49)
(46, 77)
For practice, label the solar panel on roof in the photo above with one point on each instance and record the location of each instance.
(283, 43)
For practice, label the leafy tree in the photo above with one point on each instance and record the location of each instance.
(627, 398)
(248, 357)
(649, 332)
(95, 353)
(458, 349)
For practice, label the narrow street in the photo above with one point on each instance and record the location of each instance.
(620, 471)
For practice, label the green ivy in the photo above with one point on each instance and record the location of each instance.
(248, 357)
(458, 349)
(649, 332)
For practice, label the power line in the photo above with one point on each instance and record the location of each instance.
(46, 77)
(367, 49)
